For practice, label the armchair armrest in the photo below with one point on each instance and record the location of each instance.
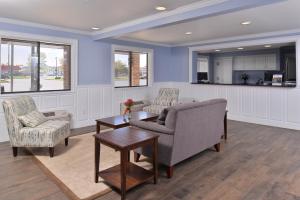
(152, 126)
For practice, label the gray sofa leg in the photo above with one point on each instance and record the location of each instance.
(218, 147)
(169, 171)
(15, 151)
(66, 141)
(51, 151)
(137, 157)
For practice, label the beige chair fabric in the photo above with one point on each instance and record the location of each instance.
(166, 97)
(47, 134)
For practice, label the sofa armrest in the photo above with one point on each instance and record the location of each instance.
(152, 126)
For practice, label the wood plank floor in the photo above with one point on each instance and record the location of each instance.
(257, 162)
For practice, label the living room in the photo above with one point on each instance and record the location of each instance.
(80, 63)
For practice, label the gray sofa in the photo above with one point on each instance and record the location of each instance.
(188, 130)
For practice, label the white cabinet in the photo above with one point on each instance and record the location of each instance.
(260, 62)
(255, 62)
(271, 63)
(223, 70)
(238, 63)
(249, 62)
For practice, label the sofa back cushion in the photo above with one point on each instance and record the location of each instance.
(174, 110)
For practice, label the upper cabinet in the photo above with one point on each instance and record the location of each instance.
(255, 62)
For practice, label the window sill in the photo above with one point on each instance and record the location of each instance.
(143, 86)
(9, 94)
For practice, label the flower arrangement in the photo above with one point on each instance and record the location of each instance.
(244, 77)
(128, 104)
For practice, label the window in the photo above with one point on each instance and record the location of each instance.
(131, 68)
(30, 66)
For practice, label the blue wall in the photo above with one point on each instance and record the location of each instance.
(94, 57)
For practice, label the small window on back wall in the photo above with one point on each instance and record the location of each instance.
(131, 69)
(33, 66)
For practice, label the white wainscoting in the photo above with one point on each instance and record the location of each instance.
(277, 107)
(86, 103)
(262, 105)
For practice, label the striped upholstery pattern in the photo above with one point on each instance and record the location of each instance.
(166, 97)
(32, 119)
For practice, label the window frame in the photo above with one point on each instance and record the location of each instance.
(73, 43)
(130, 50)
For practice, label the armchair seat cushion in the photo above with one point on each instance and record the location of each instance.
(47, 134)
(152, 126)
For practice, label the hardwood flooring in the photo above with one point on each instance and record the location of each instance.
(257, 162)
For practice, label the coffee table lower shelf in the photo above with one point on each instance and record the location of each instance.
(135, 175)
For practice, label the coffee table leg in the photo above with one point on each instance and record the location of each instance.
(98, 127)
(97, 159)
(128, 156)
(124, 161)
(154, 160)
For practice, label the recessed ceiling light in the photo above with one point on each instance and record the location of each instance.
(95, 28)
(160, 8)
(240, 48)
(217, 50)
(268, 46)
(188, 33)
(246, 23)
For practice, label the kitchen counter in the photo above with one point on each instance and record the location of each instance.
(252, 85)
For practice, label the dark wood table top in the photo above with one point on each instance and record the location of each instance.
(128, 137)
(120, 120)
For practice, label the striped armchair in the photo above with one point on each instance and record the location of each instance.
(166, 97)
(47, 134)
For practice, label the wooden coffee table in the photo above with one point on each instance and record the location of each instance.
(126, 175)
(120, 121)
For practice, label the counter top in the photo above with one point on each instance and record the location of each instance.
(252, 85)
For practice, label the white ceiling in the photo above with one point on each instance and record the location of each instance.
(274, 17)
(83, 14)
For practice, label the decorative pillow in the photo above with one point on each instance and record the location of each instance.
(32, 119)
(162, 117)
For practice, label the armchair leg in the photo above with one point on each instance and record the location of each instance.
(15, 151)
(170, 171)
(66, 141)
(218, 147)
(51, 151)
(137, 157)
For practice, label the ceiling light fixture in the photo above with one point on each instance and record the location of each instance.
(217, 50)
(188, 33)
(95, 28)
(240, 48)
(246, 23)
(160, 8)
(268, 46)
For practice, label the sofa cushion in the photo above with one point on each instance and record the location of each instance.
(32, 119)
(152, 126)
(162, 117)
